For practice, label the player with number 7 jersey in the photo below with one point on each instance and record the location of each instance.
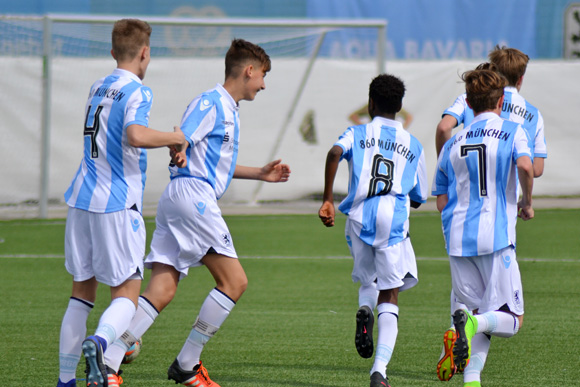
(477, 170)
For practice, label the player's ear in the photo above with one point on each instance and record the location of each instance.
(248, 70)
(144, 52)
(500, 102)
(468, 104)
(113, 54)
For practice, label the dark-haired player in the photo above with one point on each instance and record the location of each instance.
(387, 177)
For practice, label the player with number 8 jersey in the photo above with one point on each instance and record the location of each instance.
(387, 176)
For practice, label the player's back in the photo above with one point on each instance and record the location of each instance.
(387, 166)
(112, 173)
(480, 167)
(517, 109)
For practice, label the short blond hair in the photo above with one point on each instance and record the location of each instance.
(128, 37)
(483, 88)
(511, 62)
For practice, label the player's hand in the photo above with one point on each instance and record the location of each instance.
(525, 211)
(326, 213)
(177, 152)
(275, 172)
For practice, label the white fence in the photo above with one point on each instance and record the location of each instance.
(335, 88)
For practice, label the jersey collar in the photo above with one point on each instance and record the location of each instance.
(230, 100)
(128, 74)
(387, 122)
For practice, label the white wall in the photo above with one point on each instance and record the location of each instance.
(334, 90)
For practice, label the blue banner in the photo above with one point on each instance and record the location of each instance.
(427, 29)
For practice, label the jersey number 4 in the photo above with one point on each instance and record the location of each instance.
(481, 164)
(93, 130)
(381, 172)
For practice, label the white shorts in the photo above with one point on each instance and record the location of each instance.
(109, 247)
(189, 225)
(488, 282)
(392, 267)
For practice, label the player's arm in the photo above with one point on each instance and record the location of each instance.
(326, 211)
(273, 172)
(140, 136)
(443, 132)
(442, 202)
(538, 166)
(526, 177)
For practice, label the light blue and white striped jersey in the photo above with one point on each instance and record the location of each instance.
(111, 176)
(386, 168)
(477, 170)
(515, 108)
(211, 125)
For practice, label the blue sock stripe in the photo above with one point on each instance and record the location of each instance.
(87, 303)
(225, 295)
(149, 302)
(394, 314)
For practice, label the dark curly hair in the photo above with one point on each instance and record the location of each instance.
(387, 92)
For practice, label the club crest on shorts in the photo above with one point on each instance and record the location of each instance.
(507, 260)
(200, 207)
(226, 240)
(517, 297)
(135, 224)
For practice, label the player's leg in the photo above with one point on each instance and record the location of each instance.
(480, 347)
(231, 282)
(74, 328)
(160, 291)
(119, 264)
(78, 262)
(387, 324)
(364, 272)
(446, 366)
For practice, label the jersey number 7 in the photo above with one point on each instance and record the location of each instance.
(481, 164)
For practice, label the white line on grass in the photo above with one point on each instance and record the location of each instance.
(302, 257)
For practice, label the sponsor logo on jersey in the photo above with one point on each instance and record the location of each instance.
(204, 104)
(200, 207)
(147, 94)
(227, 123)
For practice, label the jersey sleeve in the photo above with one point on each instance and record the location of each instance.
(521, 144)
(199, 119)
(540, 149)
(419, 192)
(457, 109)
(139, 107)
(440, 179)
(346, 141)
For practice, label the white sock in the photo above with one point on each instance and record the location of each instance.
(72, 333)
(144, 317)
(115, 319)
(387, 320)
(368, 295)
(215, 309)
(479, 348)
(498, 323)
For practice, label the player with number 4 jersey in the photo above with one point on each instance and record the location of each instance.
(387, 177)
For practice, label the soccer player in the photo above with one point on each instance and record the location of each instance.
(512, 64)
(476, 184)
(190, 229)
(105, 232)
(387, 175)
